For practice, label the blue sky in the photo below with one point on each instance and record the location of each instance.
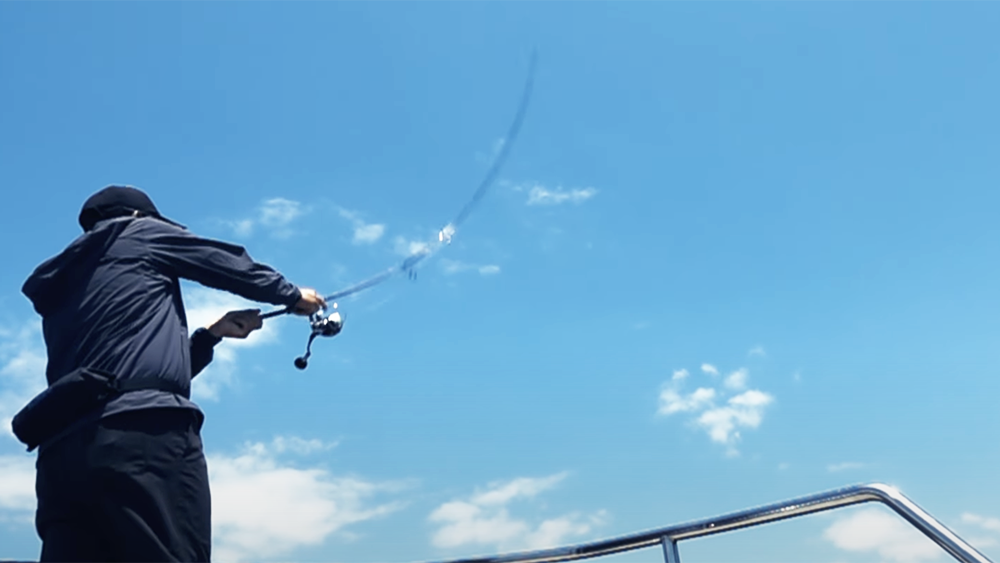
(740, 253)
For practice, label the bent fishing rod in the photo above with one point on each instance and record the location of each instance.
(330, 325)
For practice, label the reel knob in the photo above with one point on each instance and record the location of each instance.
(301, 362)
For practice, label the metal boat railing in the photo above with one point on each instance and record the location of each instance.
(668, 537)
(802, 506)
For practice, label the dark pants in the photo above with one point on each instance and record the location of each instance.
(130, 487)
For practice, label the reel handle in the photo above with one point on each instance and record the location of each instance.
(302, 362)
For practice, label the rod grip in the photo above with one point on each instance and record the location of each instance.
(276, 313)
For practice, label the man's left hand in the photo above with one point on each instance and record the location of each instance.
(237, 324)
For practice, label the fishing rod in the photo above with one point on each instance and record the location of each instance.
(330, 325)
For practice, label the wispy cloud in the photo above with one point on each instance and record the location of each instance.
(991, 527)
(844, 466)
(275, 215)
(264, 507)
(301, 446)
(984, 522)
(737, 380)
(873, 530)
(242, 228)
(757, 351)
(672, 402)
(540, 195)
(745, 410)
(364, 233)
(279, 212)
(203, 307)
(367, 234)
(409, 247)
(484, 518)
(451, 267)
(721, 412)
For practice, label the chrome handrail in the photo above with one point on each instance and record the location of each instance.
(801, 506)
(820, 502)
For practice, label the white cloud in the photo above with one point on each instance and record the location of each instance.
(874, 530)
(452, 267)
(484, 518)
(17, 488)
(672, 402)
(364, 233)
(22, 370)
(263, 509)
(294, 444)
(406, 247)
(203, 307)
(757, 351)
(367, 234)
(275, 214)
(745, 410)
(986, 523)
(242, 228)
(737, 380)
(525, 487)
(540, 195)
(844, 466)
(279, 212)
(722, 424)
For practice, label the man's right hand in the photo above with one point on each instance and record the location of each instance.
(237, 324)
(309, 303)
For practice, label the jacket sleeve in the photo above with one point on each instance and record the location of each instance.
(202, 342)
(216, 264)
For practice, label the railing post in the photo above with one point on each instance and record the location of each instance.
(670, 553)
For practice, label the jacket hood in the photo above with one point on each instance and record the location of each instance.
(60, 275)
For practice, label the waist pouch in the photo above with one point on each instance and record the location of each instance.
(72, 397)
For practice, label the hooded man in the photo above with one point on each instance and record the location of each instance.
(121, 474)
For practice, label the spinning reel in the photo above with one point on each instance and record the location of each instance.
(328, 326)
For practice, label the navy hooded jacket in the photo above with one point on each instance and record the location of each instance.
(112, 301)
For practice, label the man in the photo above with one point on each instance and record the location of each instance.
(121, 474)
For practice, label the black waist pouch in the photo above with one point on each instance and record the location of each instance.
(71, 398)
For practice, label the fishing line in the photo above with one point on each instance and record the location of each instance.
(332, 324)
